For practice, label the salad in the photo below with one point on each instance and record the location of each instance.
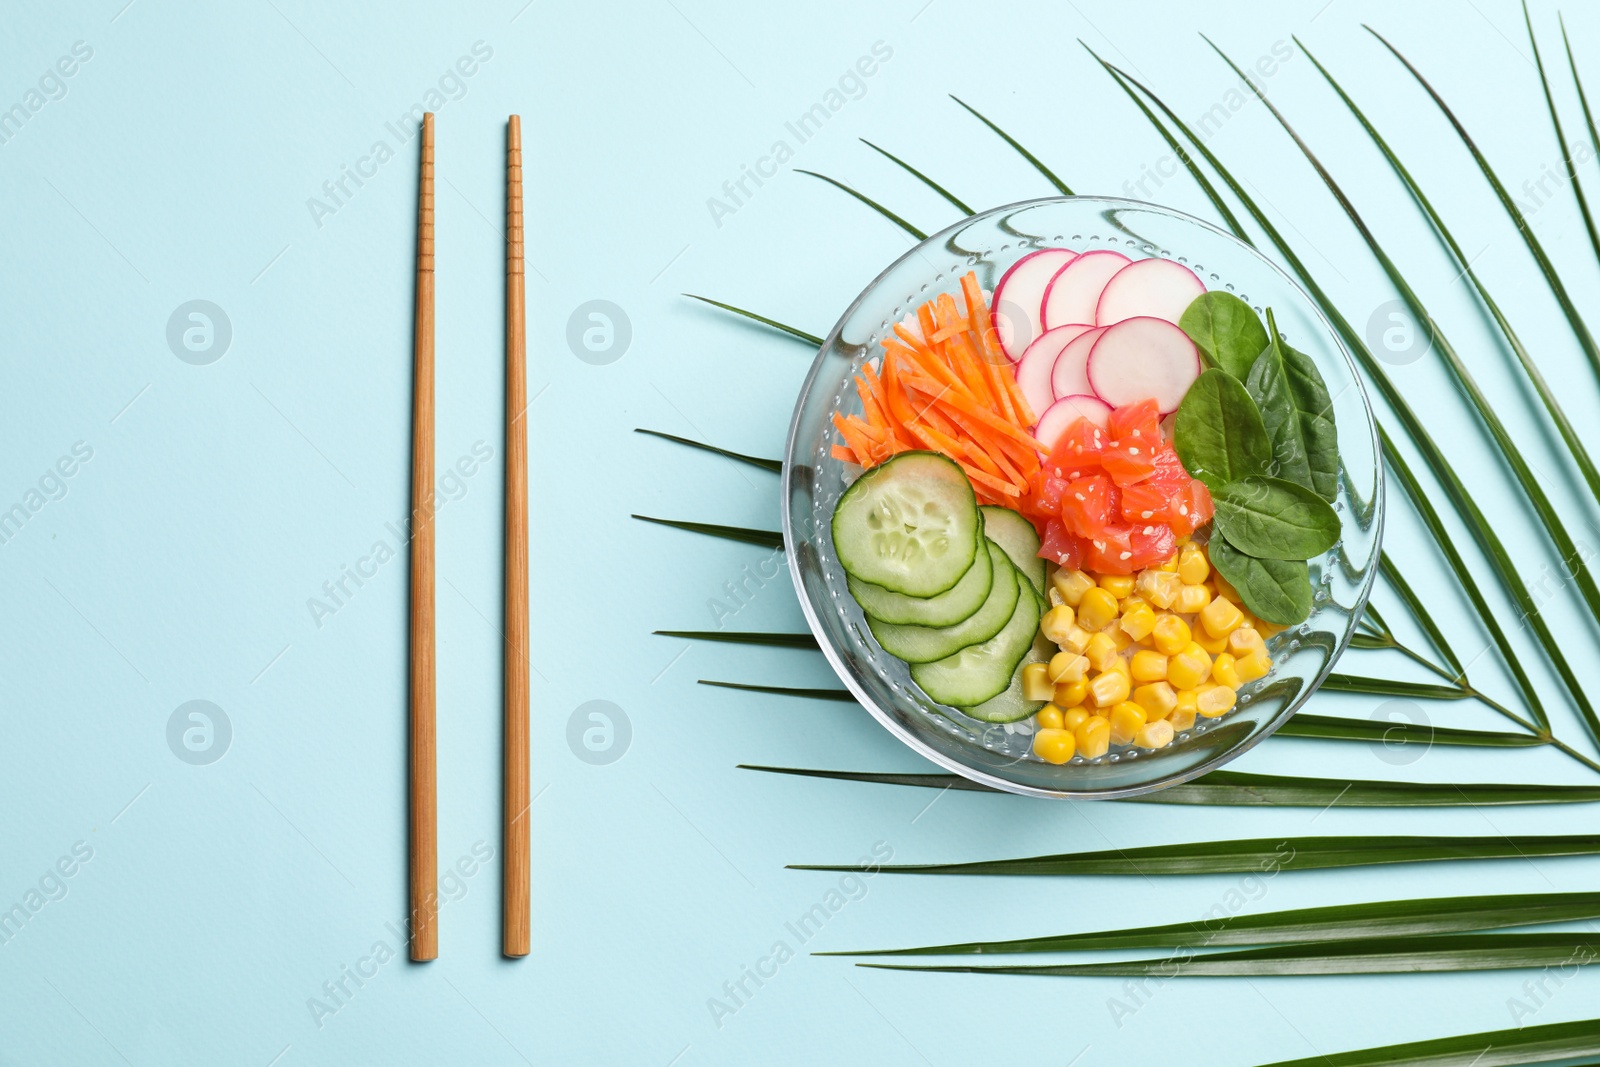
(1086, 502)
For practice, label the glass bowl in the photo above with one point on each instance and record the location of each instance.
(1000, 756)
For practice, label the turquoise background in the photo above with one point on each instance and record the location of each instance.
(177, 563)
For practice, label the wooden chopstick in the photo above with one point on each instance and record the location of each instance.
(424, 782)
(517, 860)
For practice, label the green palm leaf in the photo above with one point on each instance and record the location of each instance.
(1493, 1048)
(1386, 955)
(1385, 687)
(1060, 185)
(1172, 143)
(1256, 855)
(867, 200)
(1243, 789)
(773, 465)
(1555, 121)
(764, 538)
(1557, 287)
(1436, 460)
(1378, 731)
(1588, 120)
(923, 178)
(1422, 616)
(800, 335)
(841, 695)
(1567, 549)
(744, 637)
(1390, 918)
(1564, 426)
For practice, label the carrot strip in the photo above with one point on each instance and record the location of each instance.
(843, 454)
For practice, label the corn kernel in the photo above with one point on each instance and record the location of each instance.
(1187, 671)
(1212, 645)
(1036, 683)
(1055, 599)
(1057, 623)
(1154, 735)
(1077, 639)
(1159, 588)
(1224, 587)
(1138, 621)
(1118, 585)
(1071, 585)
(1253, 666)
(1268, 629)
(1181, 718)
(1073, 716)
(1066, 666)
(1119, 666)
(1186, 699)
(1096, 610)
(1222, 670)
(1070, 694)
(1193, 566)
(1101, 651)
(1214, 700)
(1048, 717)
(1171, 634)
(1125, 719)
(1054, 746)
(1120, 638)
(1148, 666)
(1191, 598)
(1245, 640)
(1109, 688)
(1170, 566)
(1158, 699)
(1221, 617)
(1093, 736)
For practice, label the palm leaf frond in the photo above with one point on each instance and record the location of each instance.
(1339, 922)
(1550, 1043)
(1255, 855)
(800, 335)
(1060, 185)
(921, 177)
(764, 538)
(867, 200)
(773, 465)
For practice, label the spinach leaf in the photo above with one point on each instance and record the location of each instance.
(1275, 590)
(1298, 415)
(1219, 434)
(1270, 518)
(1226, 330)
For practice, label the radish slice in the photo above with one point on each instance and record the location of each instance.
(1075, 291)
(1066, 411)
(1034, 370)
(1143, 357)
(1159, 288)
(1070, 375)
(1019, 295)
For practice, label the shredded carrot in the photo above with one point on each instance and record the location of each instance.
(946, 385)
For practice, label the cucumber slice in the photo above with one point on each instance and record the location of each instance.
(924, 644)
(1010, 706)
(1017, 536)
(946, 609)
(979, 672)
(909, 525)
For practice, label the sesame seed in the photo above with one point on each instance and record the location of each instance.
(1183, 509)
(1148, 530)
(1126, 555)
(1133, 451)
(1078, 495)
(1146, 514)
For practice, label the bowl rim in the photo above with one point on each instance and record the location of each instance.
(916, 744)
